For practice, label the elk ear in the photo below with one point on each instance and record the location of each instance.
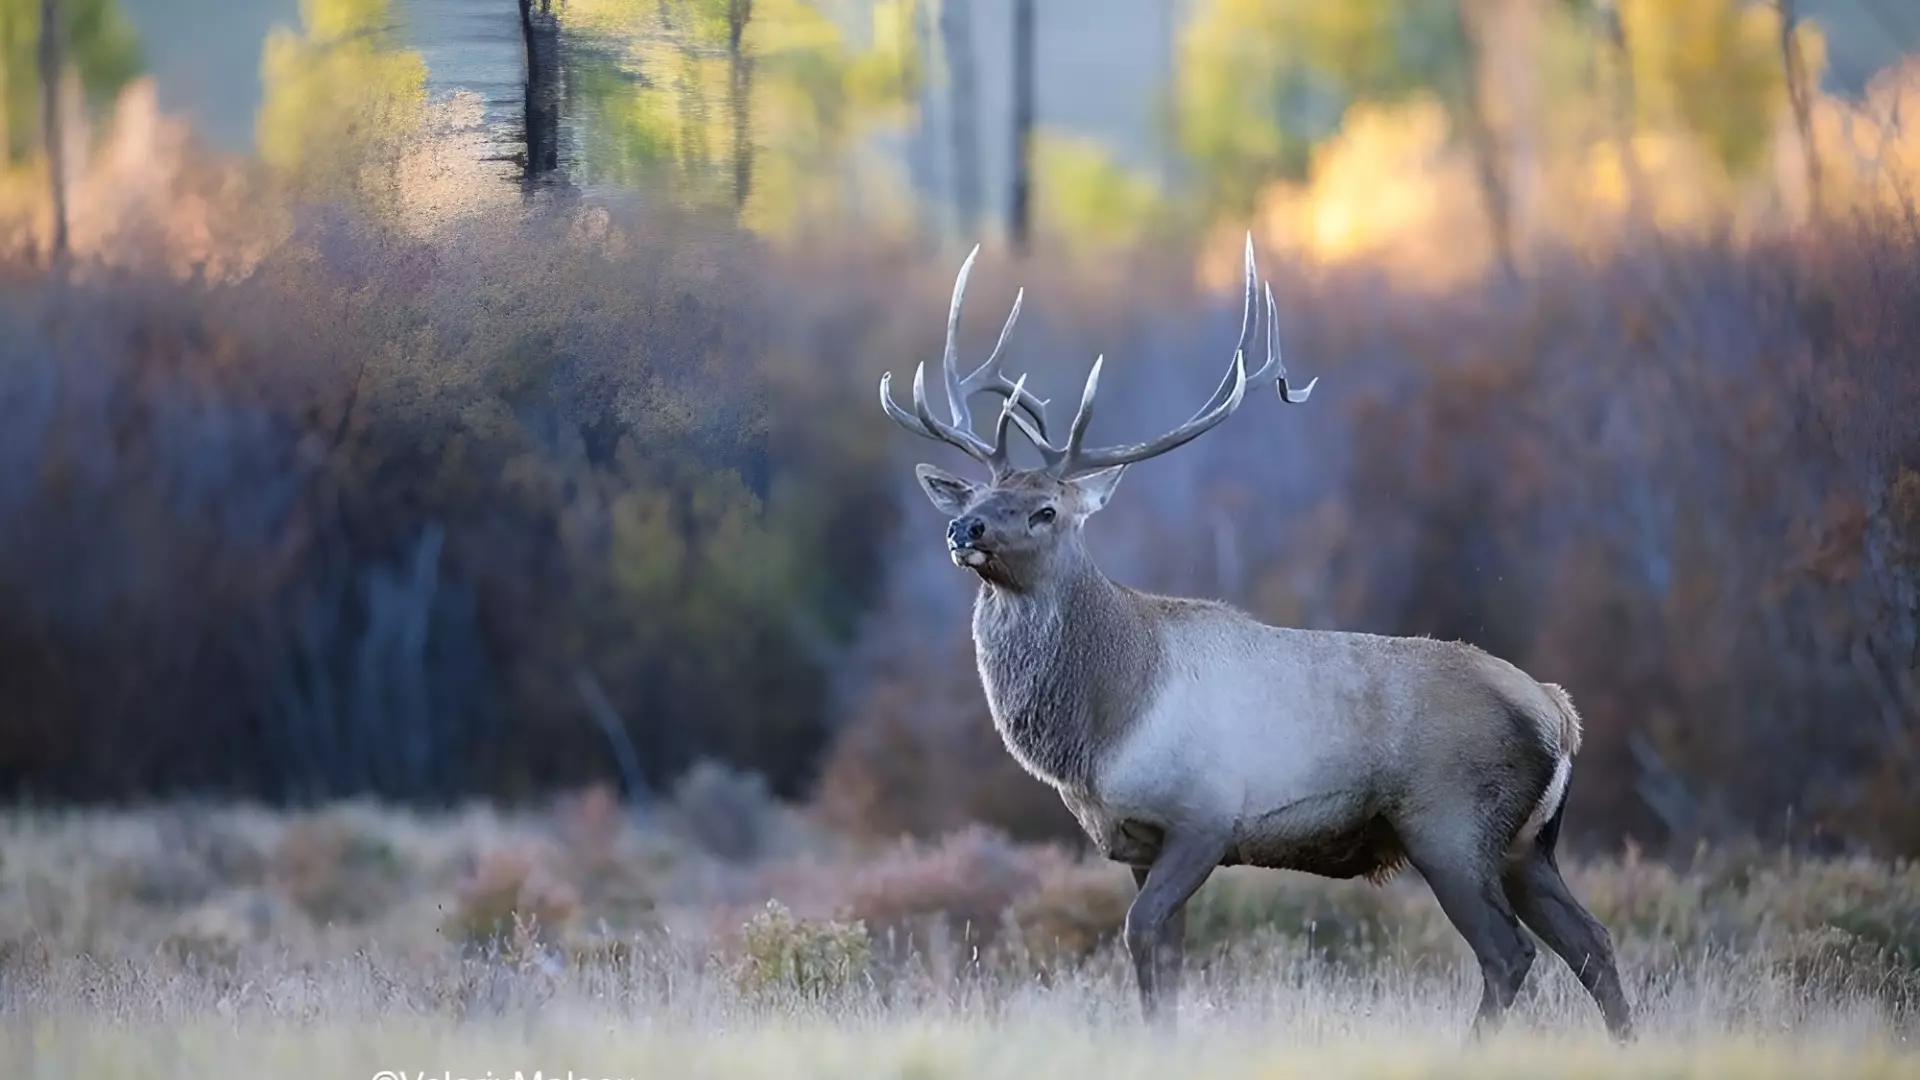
(1096, 488)
(950, 494)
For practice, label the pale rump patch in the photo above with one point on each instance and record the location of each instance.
(1537, 820)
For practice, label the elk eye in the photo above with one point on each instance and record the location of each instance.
(1042, 516)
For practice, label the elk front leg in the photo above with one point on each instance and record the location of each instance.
(1157, 921)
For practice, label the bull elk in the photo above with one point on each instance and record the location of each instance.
(1185, 735)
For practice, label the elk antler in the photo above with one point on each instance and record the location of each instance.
(1073, 459)
(987, 377)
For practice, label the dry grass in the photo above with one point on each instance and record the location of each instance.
(918, 1045)
(209, 943)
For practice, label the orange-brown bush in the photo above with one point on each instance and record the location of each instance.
(513, 895)
(959, 889)
(892, 773)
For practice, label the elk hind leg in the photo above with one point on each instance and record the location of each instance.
(1539, 894)
(1467, 885)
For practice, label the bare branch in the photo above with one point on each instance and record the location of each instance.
(608, 719)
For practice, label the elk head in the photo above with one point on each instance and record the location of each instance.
(1013, 529)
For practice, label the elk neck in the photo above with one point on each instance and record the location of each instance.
(1069, 663)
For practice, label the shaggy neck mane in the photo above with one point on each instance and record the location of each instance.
(1068, 664)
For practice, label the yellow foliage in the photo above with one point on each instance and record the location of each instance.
(101, 51)
(1238, 58)
(336, 97)
(1676, 182)
(1388, 188)
(804, 95)
(1222, 55)
(1712, 143)
(1712, 66)
(1084, 194)
(1871, 153)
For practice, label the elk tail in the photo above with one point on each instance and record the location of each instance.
(1569, 718)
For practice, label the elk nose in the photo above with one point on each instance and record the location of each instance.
(965, 530)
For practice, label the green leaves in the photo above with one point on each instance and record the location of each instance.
(338, 99)
(98, 43)
(763, 130)
(1262, 82)
(1711, 67)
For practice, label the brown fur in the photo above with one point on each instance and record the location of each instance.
(1067, 665)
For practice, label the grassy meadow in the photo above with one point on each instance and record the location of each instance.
(216, 942)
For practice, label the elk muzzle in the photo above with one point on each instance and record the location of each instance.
(963, 534)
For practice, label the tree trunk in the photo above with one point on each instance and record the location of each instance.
(1623, 105)
(1800, 96)
(1511, 58)
(740, 94)
(540, 32)
(50, 118)
(956, 39)
(1019, 220)
(1483, 143)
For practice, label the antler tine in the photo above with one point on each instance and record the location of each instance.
(1279, 372)
(1009, 408)
(901, 416)
(962, 437)
(921, 420)
(950, 355)
(1083, 415)
(1073, 459)
(1248, 307)
(987, 377)
(1057, 457)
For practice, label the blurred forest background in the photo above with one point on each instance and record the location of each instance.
(440, 399)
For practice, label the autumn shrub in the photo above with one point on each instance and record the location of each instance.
(336, 870)
(1073, 912)
(726, 811)
(613, 869)
(953, 893)
(811, 959)
(220, 932)
(512, 896)
(919, 757)
(591, 824)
